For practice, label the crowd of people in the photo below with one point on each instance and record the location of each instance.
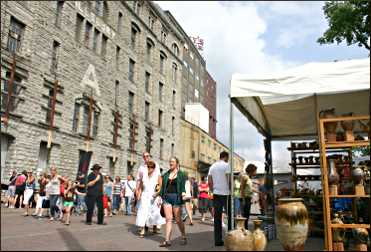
(156, 198)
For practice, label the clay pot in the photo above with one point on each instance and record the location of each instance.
(239, 239)
(358, 176)
(292, 223)
(348, 128)
(333, 178)
(330, 127)
(260, 241)
(361, 237)
(337, 233)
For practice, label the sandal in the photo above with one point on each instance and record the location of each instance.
(165, 244)
(184, 240)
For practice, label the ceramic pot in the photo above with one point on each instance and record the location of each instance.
(348, 128)
(239, 239)
(330, 127)
(292, 223)
(337, 233)
(333, 177)
(361, 237)
(358, 175)
(260, 241)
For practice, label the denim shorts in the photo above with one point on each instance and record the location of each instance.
(172, 199)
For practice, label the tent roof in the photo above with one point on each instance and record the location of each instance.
(284, 105)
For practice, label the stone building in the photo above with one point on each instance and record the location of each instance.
(79, 77)
(200, 151)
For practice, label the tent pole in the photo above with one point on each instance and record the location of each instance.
(231, 151)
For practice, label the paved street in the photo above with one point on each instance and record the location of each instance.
(28, 233)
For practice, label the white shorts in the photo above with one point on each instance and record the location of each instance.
(11, 191)
(39, 202)
(27, 196)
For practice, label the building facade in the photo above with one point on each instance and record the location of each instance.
(210, 103)
(200, 151)
(99, 77)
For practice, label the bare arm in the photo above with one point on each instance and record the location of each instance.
(211, 184)
(93, 182)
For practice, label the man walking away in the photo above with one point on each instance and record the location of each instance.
(218, 180)
(94, 195)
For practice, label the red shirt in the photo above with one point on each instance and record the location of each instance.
(20, 180)
(203, 186)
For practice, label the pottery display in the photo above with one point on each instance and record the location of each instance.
(348, 128)
(333, 178)
(239, 239)
(260, 241)
(358, 175)
(361, 237)
(330, 127)
(338, 234)
(292, 223)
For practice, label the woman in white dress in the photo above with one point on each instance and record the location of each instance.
(149, 201)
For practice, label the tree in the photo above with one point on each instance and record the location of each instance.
(349, 21)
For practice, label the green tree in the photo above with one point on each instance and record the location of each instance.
(349, 21)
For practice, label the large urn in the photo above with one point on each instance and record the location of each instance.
(330, 127)
(333, 178)
(292, 223)
(239, 239)
(260, 241)
(358, 175)
(348, 128)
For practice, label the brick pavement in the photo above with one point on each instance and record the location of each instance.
(28, 233)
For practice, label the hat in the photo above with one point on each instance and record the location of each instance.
(96, 167)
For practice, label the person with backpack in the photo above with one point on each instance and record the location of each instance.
(20, 185)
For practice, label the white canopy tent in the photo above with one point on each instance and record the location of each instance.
(285, 105)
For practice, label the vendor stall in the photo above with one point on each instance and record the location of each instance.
(288, 105)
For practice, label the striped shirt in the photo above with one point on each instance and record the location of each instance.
(116, 188)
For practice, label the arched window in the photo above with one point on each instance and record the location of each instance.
(134, 32)
(149, 49)
(162, 61)
(175, 49)
(101, 9)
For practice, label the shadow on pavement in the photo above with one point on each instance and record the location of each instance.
(71, 242)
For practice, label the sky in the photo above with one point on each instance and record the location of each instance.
(254, 38)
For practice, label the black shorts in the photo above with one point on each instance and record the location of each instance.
(19, 190)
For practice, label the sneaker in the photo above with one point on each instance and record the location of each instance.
(51, 219)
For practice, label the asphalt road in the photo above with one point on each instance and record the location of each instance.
(27, 233)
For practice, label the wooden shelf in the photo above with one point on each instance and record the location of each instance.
(347, 144)
(304, 166)
(350, 226)
(349, 196)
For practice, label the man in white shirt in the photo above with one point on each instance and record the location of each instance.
(128, 193)
(219, 181)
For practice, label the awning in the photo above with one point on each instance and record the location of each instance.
(284, 105)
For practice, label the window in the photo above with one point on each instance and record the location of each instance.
(172, 150)
(76, 117)
(88, 28)
(174, 72)
(131, 136)
(58, 17)
(79, 23)
(99, 8)
(193, 154)
(173, 101)
(104, 45)
(149, 51)
(95, 40)
(83, 126)
(131, 70)
(5, 92)
(173, 126)
(148, 139)
(147, 82)
(146, 112)
(151, 22)
(160, 91)
(162, 63)
(160, 113)
(16, 32)
(161, 148)
(54, 65)
(117, 92)
(131, 102)
(118, 49)
(44, 157)
(163, 35)
(119, 23)
(136, 7)
(175, 49)
(133, 37)
(50, 101)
